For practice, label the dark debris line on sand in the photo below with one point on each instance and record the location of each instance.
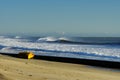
(99, 63)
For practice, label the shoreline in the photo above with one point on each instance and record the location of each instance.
(13, 68)
(96, 63)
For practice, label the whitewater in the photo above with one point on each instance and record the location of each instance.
(97, 48)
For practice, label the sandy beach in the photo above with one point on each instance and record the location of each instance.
(23, 69)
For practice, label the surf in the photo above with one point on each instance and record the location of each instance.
(64, 46)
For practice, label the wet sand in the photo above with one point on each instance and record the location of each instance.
(23, 69)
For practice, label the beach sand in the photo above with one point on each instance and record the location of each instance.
(23, 69)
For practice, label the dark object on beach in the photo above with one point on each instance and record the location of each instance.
(26, 55)
(30, 75)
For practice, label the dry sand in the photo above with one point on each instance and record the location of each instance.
(23, 69)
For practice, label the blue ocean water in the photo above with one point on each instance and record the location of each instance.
(97, 48)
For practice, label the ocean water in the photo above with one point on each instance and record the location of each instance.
(97, 48)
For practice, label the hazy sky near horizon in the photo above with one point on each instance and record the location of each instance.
(96, 17)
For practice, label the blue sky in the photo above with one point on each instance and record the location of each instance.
(88, 17)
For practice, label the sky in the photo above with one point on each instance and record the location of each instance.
(87, 17)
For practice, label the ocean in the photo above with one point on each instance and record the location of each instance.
(95, 48)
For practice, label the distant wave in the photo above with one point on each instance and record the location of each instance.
(17, 37)
(49, 39)
(81, 40)
(54, 39)
(67, 40)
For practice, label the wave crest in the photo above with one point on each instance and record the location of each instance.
(53, 39)
(47, 39)
(81, 40)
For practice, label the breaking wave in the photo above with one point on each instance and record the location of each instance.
(52, 46)
(82, 40)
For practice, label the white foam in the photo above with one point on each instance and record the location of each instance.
(89, 49)
(17, 37)
(47, 39)
(63, 38)
(50, 39)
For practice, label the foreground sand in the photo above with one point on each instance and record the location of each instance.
(23, 69)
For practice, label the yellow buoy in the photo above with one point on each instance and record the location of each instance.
(28, 55)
